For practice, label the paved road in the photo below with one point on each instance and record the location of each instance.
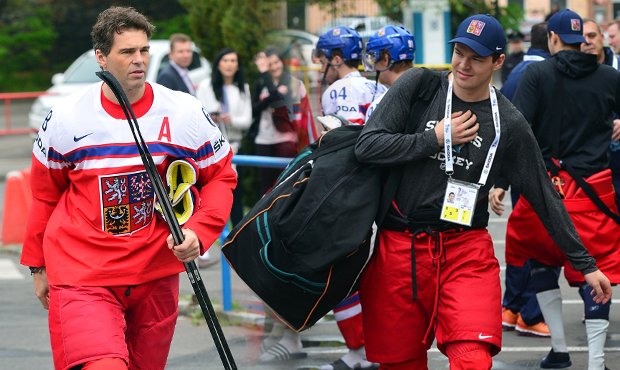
(24, 339)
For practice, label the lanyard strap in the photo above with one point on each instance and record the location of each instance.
(447, 136)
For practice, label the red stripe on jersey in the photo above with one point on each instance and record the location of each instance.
(357, 121)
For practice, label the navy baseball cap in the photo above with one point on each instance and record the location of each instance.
(482, 33)
(568, 25)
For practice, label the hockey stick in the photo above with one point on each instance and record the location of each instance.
(175, 228)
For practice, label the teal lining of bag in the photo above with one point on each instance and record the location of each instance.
(305, 284)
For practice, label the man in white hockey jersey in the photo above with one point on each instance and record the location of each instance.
(349, 93)
(389, 53)
(103, 262)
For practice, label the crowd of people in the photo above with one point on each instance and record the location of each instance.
(551, 135)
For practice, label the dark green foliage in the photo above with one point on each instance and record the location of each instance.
(176, 24)
(26, 39)
(41, 37)
(392, 8)
(237, 24)
(509, 16)
(242, 29)
(204, 18)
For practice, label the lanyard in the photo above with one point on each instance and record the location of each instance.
(447, 135)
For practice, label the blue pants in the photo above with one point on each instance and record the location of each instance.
(520, 295)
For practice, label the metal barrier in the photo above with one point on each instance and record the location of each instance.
(7, 98)
(243, 160)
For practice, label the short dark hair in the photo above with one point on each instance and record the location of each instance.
(272, 50)
(397, 66)
(178, 37)
(217, 80)
(598, 26)
(352, 63)
(539, 36)
(115, 20)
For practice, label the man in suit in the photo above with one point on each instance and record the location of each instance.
(175, 75)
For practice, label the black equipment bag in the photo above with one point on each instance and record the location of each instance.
(304, 244)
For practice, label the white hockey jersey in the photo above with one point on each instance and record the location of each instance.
(373, 106)
(350, 97)
(92, 220)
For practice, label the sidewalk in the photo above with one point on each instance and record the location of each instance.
(247, 308)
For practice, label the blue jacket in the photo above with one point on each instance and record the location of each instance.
(510, 86)
(170, 78)
(610, 58)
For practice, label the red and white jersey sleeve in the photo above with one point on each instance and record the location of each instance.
(350, 97)
(92, 220)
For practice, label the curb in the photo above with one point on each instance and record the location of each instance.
(256, 321)
(235, 318)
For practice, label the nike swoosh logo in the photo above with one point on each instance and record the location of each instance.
(76, 139)
(480, 336)
(497, 48)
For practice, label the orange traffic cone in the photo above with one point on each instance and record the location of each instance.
(17, 201)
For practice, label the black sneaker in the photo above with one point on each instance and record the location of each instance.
(556, 360)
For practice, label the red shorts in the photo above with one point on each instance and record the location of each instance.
(469, 307)
(527, 238)
(133, 323)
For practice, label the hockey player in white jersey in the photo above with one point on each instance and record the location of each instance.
(349, 93)
(389, 53)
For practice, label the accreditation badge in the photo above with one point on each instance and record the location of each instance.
(459, 202)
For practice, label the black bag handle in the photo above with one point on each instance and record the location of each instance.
(594, 197)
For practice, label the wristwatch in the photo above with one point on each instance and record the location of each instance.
(36, 270)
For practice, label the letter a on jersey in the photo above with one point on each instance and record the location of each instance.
(164, 131)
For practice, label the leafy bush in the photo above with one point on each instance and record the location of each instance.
(26, 39)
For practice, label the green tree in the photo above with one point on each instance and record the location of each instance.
(509, 16)
(166, 27)
(243, 29)
(26, 39)
(392, 8)
(205, 20)
(238, 24)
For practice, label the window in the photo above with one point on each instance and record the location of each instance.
(83, 70)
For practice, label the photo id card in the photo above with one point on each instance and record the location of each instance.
(459, 202)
